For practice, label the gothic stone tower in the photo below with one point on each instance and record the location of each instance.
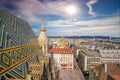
(42, 39)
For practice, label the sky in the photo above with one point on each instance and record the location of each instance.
(90, 17)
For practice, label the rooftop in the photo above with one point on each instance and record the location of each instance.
(110, 51)
(115, 77)
(90, 53)
(64, 50)
(112, 68)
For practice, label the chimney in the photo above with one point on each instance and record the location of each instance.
(105, 66)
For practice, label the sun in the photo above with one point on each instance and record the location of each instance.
(71, 9)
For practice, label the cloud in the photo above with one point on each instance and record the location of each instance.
(87, 31)
(89, 4)
(96, 22)
(105, 27)
(34, 10)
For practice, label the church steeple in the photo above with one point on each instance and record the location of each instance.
(42, 38)
(43, 26)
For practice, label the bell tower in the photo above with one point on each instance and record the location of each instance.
(42, 39)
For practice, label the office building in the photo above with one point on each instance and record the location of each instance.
(87, 60)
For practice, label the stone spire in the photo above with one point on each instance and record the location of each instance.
(42, 26)
(42, 39)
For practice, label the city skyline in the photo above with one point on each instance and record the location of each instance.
(92, 17)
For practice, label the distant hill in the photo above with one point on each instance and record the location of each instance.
(77, 37)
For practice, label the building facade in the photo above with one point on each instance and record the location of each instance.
(63, 57)
(14, 32)
(110, 56)
(89, 59)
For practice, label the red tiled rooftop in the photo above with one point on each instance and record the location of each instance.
(115, 77)
(57, 50)
(112, 68)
